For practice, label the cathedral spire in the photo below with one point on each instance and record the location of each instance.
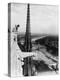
(28, 44)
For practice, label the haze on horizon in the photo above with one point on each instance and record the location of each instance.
(43, 18)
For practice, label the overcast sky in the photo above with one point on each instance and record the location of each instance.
(43, 18)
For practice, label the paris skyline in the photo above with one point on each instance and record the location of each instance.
(43, 18)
